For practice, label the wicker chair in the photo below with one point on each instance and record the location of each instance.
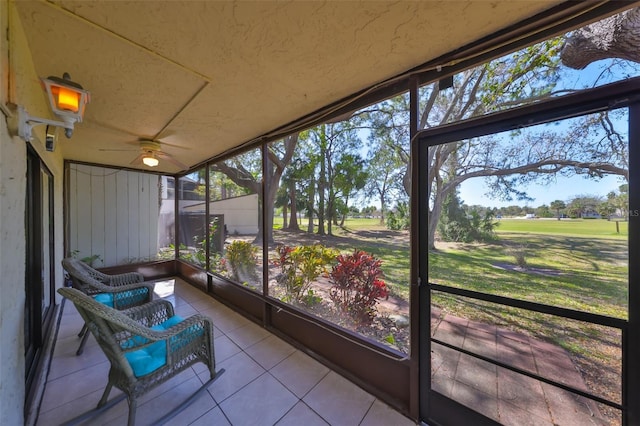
(146, 345)
(121, 291)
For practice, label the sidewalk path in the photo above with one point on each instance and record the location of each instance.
(498, 393)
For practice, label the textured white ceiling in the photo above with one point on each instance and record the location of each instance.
(208, 76)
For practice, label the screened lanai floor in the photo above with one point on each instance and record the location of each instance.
(269, 382)
(510, 398)
(266, 380)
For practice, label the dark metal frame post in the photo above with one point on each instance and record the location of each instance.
(177, 185)
(419, 228)
(415, 297)
(207, 237)
(265, 235)
(631, 336)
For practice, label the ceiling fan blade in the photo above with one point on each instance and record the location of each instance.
(164, 134)
(115, 149)
(142, 140)
(138, 160)
(170, 159)
(172, 145)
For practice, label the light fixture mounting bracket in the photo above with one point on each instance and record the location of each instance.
(26, 123)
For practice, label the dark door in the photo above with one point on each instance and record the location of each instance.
(539, 326)
(40, 275)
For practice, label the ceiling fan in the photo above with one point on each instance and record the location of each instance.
(150, 153)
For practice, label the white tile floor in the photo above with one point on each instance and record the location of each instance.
(266, 382)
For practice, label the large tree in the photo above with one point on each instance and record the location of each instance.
(338, 168)
(386, 172)
(246, 171)
(589, 145)
(512, 80)
(558, 205)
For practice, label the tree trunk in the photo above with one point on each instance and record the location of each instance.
(272, 192)
(434, 216)
(382, 203)
(293, 222)
(321, 187)
(406, 180)
(329, 217)
(311, 204)
(615, 37)
(284, 216)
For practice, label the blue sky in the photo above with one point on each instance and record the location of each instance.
(473, 191)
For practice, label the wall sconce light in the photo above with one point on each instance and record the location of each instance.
(150, 159)
(67, 100)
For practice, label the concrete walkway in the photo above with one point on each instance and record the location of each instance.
(498, 393)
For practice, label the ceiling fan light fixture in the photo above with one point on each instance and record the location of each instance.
(150, 160)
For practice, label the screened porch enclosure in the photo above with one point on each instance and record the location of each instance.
(471, 335)
(346, 236)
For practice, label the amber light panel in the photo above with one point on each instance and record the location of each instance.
(66, 99)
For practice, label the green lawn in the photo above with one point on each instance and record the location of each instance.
(349, 223)
(586, 274)
(583, 227)
(586, 260)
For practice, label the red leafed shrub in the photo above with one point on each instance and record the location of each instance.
(357, 285)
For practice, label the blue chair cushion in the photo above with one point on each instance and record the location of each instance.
(107, 298)
(150, 358)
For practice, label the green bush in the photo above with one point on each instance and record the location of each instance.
(299, 267)
(399, 220)
(242, 258)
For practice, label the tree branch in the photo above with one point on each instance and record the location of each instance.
(615, 37)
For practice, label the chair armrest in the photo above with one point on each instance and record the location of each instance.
(195, 319)
(190, 336)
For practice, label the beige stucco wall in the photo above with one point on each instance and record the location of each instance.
(240, 213)
(20, 85)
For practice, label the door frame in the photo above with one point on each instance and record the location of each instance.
(435, 407)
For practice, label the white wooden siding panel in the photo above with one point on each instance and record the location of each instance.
(110, 220)
(98, 215)
(113, 214)
(84, 211)
(143, 216)
(72, 226)
(134, 225)
(122, 215)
